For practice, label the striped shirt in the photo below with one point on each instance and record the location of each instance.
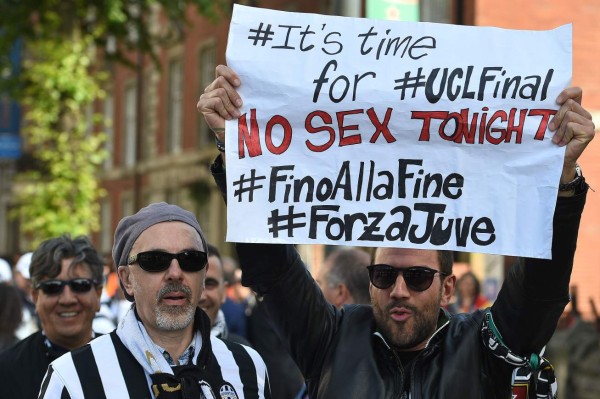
(105, 369)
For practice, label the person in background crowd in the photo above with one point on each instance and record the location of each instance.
(105, 319)
(10, 314)
(230, 265)
(163, 347)
(6, 275)
(213, 297)
(344, 278)
(406, 344)
(285, 378)
(574, 350)
(468, 295)
(238, 303)
(66, 275)
(30, 322)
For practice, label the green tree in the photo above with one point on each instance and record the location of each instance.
(63, 41)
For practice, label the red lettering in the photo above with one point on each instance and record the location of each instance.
(545, 114)
(468, 130)
(381, 128)
(325, 117)
(512, 128)
(249, 138)
(456, 136)
(426, 116)
(488, 132)
(349, 140)
(287, 134)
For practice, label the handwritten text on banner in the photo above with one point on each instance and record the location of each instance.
(380, 133)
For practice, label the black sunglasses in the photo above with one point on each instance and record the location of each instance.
(56, 287)
(159, 261)
(417, 278)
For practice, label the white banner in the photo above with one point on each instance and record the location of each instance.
(382, 133)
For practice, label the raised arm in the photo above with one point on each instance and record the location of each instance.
(536, 291)
(274, 271)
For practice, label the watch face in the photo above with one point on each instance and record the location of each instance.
(575, 183)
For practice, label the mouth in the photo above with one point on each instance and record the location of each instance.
(400, 314)
(67, 315)
(175, 299)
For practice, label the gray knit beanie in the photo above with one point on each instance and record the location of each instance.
(130, 228)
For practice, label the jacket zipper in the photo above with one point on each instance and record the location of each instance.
(420, 356)
(398, 379)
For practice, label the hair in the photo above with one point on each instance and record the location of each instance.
(211, 250)
(349, 266)
(445, 259)
(11, 312)
(47, 258)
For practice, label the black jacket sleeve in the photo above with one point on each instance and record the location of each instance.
(276, 272)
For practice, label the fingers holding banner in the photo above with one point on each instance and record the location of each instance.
(573, 128)
(220, 100)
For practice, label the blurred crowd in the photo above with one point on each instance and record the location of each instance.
(237, 314)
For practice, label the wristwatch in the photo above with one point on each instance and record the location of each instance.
(577, 185)
(220, 145)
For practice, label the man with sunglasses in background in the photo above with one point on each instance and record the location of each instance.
(66, 276)
(163, 347)
(405, 345)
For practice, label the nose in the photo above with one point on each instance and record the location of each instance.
(203, 297)
(174, 271)
(399, 289)
(67, 295)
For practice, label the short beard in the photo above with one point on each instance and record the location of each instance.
(406, 337)
(174, 318)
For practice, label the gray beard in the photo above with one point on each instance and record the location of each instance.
(174, 318)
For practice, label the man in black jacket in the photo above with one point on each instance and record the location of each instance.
(405, 345)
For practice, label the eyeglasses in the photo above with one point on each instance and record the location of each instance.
(417, 278)
(56, 287)
(159, 261)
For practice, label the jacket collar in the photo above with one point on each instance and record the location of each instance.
(442, 322)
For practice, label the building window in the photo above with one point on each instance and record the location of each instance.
(436, 11)
(175, 104)
(108, 112)
(129, 130)
(206, 74)
(127, 206)
(149, 100)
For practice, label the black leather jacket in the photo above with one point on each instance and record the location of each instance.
(342, 356)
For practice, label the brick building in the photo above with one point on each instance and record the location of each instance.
(538, 14)
(175, 147)
(160, 149)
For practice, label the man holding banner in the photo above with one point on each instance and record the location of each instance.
(404, 345)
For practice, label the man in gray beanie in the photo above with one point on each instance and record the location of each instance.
(163, 347)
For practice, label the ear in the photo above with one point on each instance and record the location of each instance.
(34, 295)
(448, 289)
(343, 295)
(126, 277)
(99, 296)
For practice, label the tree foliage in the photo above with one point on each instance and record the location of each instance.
(57, 85)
